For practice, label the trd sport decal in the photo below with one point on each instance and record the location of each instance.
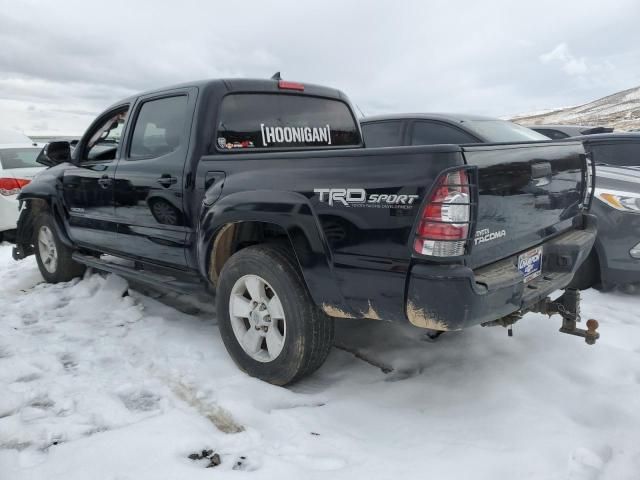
(358, 197)
(274, 135)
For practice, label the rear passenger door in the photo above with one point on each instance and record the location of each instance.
(423, 132)
(149, 180)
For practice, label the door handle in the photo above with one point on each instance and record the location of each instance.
(104, 181)
(167, 180)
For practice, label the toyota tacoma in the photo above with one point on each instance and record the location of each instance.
(263, 192)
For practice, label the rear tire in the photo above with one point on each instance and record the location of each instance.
(273, 330)
(53, 257)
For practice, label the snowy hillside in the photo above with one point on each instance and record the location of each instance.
(96, 384)
(620, 110)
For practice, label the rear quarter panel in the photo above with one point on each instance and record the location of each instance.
(355, 258)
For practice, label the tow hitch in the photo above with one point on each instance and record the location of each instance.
(567, 306)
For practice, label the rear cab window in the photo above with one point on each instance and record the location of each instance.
(272, 121)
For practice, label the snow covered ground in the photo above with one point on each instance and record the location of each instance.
(96, 385)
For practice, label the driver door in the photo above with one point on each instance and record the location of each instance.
(88, 186)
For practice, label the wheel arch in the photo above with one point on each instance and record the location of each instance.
(247, 218)
(32, 206)
(36, 205)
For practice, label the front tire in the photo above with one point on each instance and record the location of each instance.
(268, 322)
(53, 257)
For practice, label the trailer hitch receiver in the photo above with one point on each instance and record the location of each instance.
(567, 306)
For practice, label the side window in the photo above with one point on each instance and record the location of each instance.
(620, 154)
(432, 133)
(105, 140)
(382, 134)
(552, 134)
(159, 127)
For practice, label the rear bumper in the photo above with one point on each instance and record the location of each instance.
(452, 297)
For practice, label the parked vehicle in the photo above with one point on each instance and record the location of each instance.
(615, 259)
(11, 137)
(262, 190)
(17, 168)
(558, 132)
(442, 128)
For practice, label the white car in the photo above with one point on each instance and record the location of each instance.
(17, 167)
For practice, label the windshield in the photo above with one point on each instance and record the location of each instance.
(498, 131)
(19, 158)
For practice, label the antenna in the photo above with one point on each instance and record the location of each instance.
(361, 113)
(276, 76)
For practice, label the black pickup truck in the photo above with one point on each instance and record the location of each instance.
(262, 191)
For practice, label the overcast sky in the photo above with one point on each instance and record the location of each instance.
(63, 62)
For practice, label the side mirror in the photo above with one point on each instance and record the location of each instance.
(55, 153)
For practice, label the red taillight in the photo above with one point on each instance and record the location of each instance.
(444, 224)
(12, 186)
(283, 84)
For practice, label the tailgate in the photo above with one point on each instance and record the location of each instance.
(527, 194)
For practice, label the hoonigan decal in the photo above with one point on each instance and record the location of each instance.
(276, 135)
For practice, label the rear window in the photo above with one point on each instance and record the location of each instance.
(552, 134)
(277, 121)
(621, 154)
(499, 131)
(433, 133)
(19, 158)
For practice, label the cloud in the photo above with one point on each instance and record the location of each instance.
(70, 60)
(570, 64)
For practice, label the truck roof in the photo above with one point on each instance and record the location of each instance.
(243, 84)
